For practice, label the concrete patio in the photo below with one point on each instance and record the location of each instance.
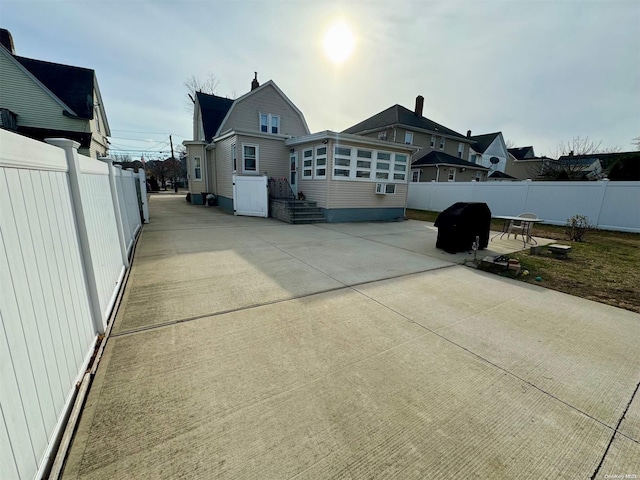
(249, 348)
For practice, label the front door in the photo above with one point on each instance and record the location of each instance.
(293, 175)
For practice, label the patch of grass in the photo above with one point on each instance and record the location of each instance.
(603, 268)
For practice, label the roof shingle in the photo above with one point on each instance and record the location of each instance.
(397, 114)
(441, 158)
(213, 109)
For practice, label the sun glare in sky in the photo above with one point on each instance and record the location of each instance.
(339, 42)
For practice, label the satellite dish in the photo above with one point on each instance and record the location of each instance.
(494, 160)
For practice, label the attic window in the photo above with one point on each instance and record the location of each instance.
(269, 123)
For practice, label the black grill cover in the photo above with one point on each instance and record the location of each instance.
(459, 225)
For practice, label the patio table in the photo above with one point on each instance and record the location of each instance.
(527, 223)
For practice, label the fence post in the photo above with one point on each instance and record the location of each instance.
(605, 183)
(70, 148)
(142, 177)
(115, 201)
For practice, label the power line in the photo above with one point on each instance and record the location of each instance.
(151, 133)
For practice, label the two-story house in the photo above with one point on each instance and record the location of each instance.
(262, 133)
(442, 152)
(489, 150)
(41, 100)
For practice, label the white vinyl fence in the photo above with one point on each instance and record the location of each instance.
(608, 205)
(65, 241)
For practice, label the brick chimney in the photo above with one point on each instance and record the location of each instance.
(254, 83)
(468, 133)
(571, 153)
(419, 105)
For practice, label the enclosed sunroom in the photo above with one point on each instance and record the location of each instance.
(351, 177)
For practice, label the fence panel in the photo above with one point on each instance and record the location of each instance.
(102, 230)
(608, 205)
(60, 260)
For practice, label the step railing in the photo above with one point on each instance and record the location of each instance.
(279, 189)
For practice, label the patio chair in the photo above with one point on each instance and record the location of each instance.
(523, 228)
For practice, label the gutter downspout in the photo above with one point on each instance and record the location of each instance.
(437, 173)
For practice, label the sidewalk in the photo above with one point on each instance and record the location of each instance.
(249, 348)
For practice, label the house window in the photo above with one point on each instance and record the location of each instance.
(479, 176)
(460, 150)
(383, 165)
(400, 167)
(249, 158)
(363, 164)
(342, 162)
(197, 168)
(474, 158)
(321, 163)
(452, 175)
(307, 163)
(433, 141)
(234, 157)
(390, 188)
(408, 138)
(441, 143)
(269, 123)
(97, 117)
(415, 176)
(382, 135)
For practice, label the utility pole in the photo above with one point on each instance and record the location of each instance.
(173, 164)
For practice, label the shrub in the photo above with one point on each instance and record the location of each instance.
(577, 227)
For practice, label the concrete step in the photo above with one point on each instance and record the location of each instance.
(313, 213)
(306, 220)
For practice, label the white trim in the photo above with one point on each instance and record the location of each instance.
(373, 168)
(269, 125)
(316, 157)
(246, 133)
(197, 178)
(248, 94)
(257, 158)
(307, 168)
(348, 138)
(234, 157)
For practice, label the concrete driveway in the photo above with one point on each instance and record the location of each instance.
(249, 348)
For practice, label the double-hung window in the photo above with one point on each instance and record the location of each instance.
(320, 169)
(197, 168)
(342, 162)
(408, 138)
(415, 176)
(460, 150)
(249, 158)
(441, 143)
(433, 141)
(452, 175)
(269, 123)
(307, 163)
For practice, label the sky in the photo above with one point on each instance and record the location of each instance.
(542, 72)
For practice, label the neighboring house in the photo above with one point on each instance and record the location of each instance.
(263, 133)
(441, 167)
(41, 100)
(497, 176)
(489, 150)
(522, 163)
(595, 166)
(401, 125)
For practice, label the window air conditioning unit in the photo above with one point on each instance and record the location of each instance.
(384, 188)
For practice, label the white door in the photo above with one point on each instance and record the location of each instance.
(250, 196)
(293, 175)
